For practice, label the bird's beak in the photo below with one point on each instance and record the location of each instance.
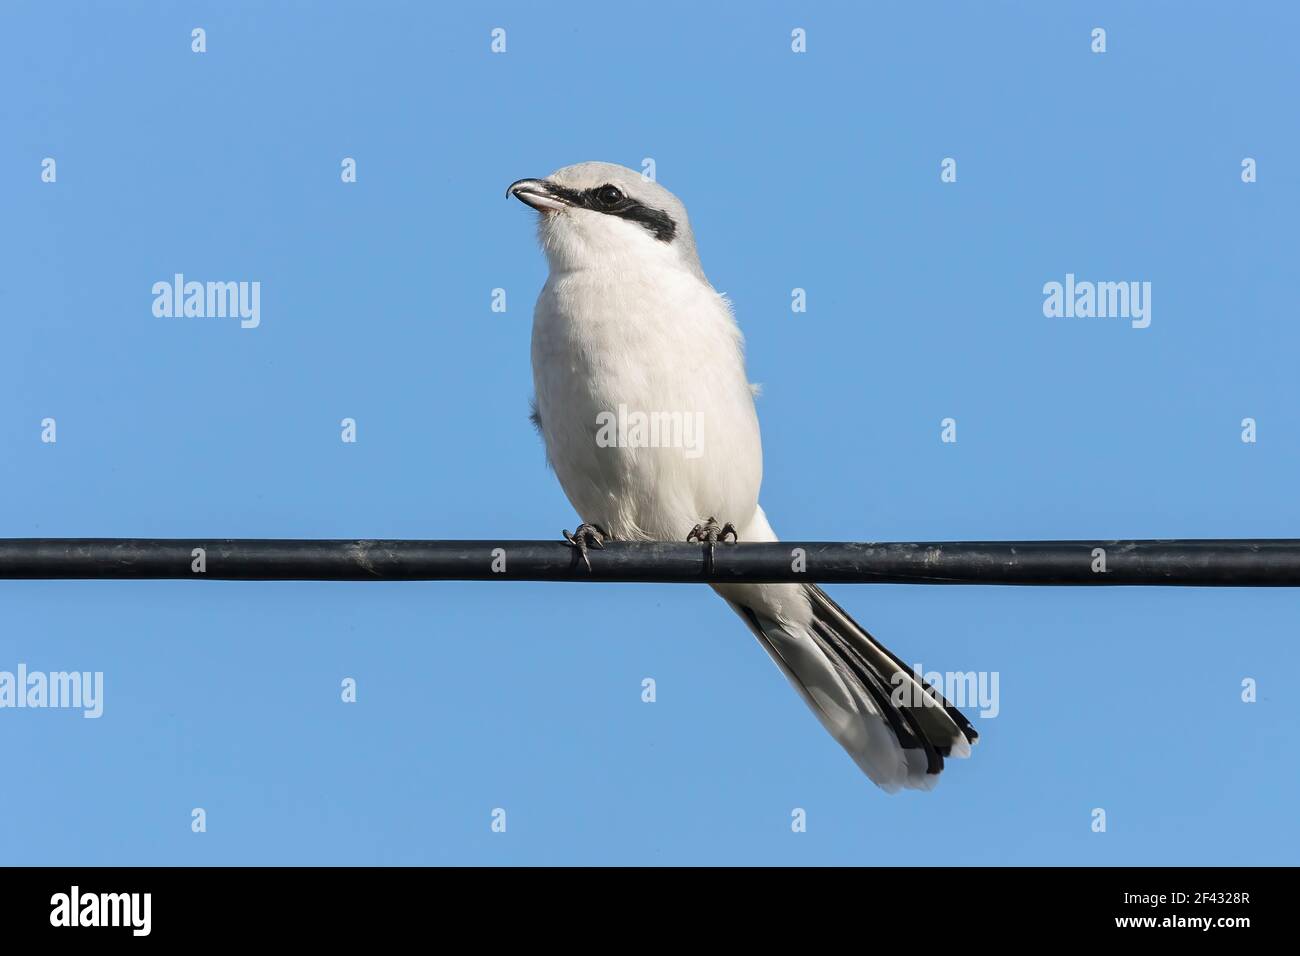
(540, 194)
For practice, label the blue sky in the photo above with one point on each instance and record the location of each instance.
(817, 171)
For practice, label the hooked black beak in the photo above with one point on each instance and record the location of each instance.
(540, 194)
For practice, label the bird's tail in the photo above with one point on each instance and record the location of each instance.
(896, 727)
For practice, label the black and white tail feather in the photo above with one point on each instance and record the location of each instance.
(897, 728)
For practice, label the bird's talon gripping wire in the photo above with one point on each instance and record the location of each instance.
(586, 536)
(709, 534)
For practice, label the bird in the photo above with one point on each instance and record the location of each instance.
(627, 324)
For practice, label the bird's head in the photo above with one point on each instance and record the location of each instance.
(604, 216)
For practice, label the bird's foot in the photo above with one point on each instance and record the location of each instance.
(709, 534)
(584, 537)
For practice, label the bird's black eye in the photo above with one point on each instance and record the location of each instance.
(609, 195)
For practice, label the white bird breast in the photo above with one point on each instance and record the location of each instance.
(645, 407)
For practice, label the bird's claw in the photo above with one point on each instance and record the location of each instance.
(586, 536)
(709, 534)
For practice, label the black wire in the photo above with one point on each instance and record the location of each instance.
(1201, 563)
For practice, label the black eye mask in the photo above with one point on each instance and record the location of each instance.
(611, 201)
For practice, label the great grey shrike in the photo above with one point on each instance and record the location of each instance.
(628, 328)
